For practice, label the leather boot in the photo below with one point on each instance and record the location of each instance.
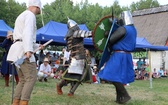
(17, 79)
(6, 80)
(59, 87)
(118, 96)
(122, 92)
(59, 90)
(22, 102)
(16, 102)
(70, 94)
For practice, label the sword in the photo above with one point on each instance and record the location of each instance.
(20, 61)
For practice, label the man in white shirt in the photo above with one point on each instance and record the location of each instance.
(66, 57)
(45, 69)
(24, 44)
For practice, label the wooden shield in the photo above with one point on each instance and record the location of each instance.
(106, 53)
(102, 27)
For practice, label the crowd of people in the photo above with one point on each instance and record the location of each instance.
(57, 63)
(143, 72)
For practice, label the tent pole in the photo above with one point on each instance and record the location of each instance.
(150, 74)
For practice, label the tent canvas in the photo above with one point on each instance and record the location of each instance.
(142, 43)
(4, 28)
(57, 31)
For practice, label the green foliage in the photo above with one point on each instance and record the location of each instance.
(10, 10)
(144, 4)
(59, 10)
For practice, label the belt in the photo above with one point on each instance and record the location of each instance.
(18, 40)
(122, 51)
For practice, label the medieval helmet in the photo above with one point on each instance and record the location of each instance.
(71, 23)
(127, 18)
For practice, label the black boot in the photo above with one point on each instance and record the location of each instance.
(118, 94)
(123, 95)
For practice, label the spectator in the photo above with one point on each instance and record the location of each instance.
(88, 57)
(90, 71)
(41, 57)
(6, 66)
(62, 66)
(139, 63)
(136, 74)
(44, 71)
(95, 70)
(93, 60)
(165, 73)
(154, 74)
(48, 56)
(66, 57)
(160, 72)
(147, 72)
(53, 59)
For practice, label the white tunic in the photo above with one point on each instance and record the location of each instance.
(25, 30)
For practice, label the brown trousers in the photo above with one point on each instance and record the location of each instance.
(27, 78)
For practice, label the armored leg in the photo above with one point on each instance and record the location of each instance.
(59, 87)
(73, 88)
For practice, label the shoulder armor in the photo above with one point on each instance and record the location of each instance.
(82, 33)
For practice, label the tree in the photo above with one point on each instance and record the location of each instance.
(144, 4)
(10, 10)
(14, 9)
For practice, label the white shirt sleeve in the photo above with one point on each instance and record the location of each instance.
(29, 32)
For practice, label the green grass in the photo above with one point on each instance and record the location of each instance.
(92, 94)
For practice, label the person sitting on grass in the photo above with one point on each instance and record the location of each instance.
(154, 74)
(45, 70)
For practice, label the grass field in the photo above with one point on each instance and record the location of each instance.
(92, 94)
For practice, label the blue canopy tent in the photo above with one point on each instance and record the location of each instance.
(57, 31)
(4, 28)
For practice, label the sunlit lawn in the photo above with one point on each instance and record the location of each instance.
(92, 94)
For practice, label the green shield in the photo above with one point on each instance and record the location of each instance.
(102, 27)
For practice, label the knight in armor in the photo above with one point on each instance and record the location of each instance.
(119, 68)
(78, 69)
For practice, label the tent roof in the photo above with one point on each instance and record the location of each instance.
(57, 31)
(142, 43)
(4, 28)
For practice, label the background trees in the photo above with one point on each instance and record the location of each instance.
(59, 10)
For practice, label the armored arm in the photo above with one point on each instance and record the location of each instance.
(117, 35)
(82, 33)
